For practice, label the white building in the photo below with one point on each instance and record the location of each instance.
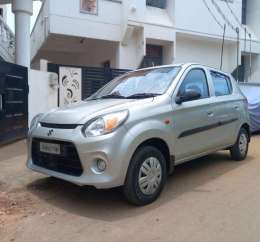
(132, 33)
(129, 34)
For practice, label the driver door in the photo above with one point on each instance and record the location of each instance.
(193, 120)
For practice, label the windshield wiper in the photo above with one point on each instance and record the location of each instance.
(134, 96)
(113, 95)
(142, 95)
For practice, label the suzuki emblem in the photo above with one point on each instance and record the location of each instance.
(50, 132)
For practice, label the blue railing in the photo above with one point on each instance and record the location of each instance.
(156, 3)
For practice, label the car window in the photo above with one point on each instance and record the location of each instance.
(221, 83)
(195, 80)
(147, 81)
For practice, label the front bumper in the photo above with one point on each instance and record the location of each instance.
(112, 148)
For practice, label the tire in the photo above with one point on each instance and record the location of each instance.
(145, 159)
(239, 150)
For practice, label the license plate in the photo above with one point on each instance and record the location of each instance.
(50, 148)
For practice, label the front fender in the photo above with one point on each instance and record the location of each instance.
(145, 130)
(141, 132)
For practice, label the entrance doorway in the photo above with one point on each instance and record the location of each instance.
(154, 56)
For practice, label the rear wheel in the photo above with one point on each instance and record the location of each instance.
(240, 149)
(146, 176)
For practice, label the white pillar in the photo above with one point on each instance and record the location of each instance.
(23, 10)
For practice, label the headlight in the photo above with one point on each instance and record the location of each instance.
(35, 121)
(104, 124)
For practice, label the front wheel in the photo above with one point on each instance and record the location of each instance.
(240, 149)
(146, 176)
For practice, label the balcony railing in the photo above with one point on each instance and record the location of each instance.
(156, 3)
(7, 42)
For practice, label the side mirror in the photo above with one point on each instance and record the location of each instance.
(189, 95)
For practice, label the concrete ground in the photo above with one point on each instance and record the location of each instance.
(210, 199)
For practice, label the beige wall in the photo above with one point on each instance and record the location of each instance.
(131, 55)
(205, 51)
(61, 50)
(42, 97)
(253, 13)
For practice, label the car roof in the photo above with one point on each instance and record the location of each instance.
(185, 65)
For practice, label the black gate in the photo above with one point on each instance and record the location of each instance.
(93, 78)
(13, 102)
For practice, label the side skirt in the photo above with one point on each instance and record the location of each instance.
(181, 161)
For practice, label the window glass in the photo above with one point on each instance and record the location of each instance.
(221, 83)
(156, 3)
(155, 81)
(195, 80)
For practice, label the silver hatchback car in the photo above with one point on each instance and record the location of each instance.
(136, 129)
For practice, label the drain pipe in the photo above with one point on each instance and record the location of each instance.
(237, 74)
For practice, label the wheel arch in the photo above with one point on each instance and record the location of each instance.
(162, 146)
(246, 126)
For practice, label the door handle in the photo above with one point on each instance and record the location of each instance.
(210, 114)
(236, 107)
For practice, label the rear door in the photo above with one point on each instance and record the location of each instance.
(226, 106)
(193, 120)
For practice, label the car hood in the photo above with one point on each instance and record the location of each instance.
(79, 113)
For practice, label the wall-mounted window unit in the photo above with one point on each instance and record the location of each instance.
(156, 3)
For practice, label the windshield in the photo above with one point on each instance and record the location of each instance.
(139, 84)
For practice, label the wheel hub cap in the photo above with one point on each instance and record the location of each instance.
(243, 144)
(150, 176)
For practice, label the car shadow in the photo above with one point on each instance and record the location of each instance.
(110, 205)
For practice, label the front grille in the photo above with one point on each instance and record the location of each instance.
(59, 126)
(67, 162)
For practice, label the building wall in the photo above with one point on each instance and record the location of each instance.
(253, 13)
(168, 53)
(42, 97)
(67, 19)
(135, 12)
(40, 31)
(95, 56)
(255, 77)
(131, 55)
(57, 57)
(205, 51)
(99, 54)
(193, 16)
(252, 74)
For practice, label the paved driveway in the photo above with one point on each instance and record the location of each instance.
(210, 199)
